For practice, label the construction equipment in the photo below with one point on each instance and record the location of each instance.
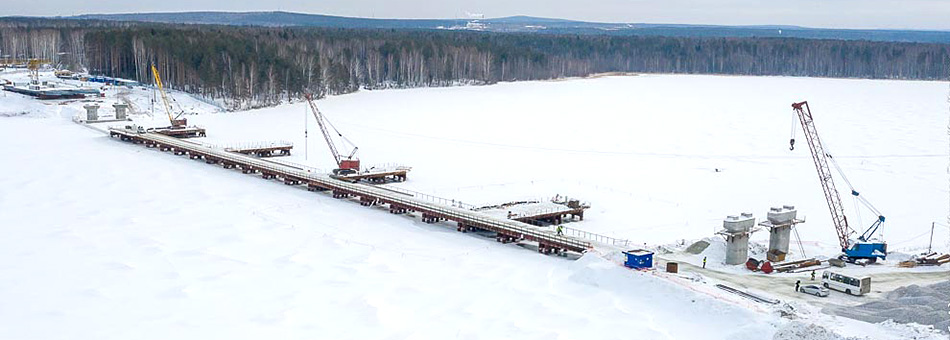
(34, 67)
(345, 166)
(176, 120)
(864, 248)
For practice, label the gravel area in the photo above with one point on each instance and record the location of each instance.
(925, 305)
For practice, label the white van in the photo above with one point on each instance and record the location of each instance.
(848, 284)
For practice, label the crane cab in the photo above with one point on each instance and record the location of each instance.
(871, 251)
(350, 164)
(348, 167)
(179, 123)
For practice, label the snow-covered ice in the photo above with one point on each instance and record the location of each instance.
(645, 150)
(108, 240)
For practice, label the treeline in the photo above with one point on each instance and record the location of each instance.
(245, 67)
(257, 67)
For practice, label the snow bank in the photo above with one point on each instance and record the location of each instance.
(804, 331)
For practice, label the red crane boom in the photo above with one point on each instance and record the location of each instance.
(820, 157)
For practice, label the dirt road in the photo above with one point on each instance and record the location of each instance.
(782, 286)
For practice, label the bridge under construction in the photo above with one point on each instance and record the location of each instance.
(505, 229)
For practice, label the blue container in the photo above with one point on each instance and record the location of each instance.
(639, 259)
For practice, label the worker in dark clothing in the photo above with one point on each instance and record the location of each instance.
(797, 284)
(813, 275)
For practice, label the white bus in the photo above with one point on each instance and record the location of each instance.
(847, 284)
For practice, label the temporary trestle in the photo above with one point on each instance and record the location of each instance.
(432, 218)
(506, 230)
(368, 201)
(340, 194)
(316, 187)
(397, 209)
(462, 227)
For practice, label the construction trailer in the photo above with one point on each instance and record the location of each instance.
(638, 259)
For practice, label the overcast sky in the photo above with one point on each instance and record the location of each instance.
(912, 14)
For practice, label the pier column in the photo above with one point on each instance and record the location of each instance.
(92, 112)
(120, 111)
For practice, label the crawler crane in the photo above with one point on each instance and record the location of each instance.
(346, 165)
(864, 248)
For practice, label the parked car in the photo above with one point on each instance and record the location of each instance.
(815, 290)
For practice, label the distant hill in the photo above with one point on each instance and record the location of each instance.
(270, 19)
(525, 24)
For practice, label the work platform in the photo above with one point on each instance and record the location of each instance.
(506, 230)
(184, 132)
(536, 212)
(397, 174)
(262, 149)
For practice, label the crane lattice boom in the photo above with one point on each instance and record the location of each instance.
(168, 107)
(347, 163)
(820, 157)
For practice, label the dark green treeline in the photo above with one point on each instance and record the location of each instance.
(247, 67)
